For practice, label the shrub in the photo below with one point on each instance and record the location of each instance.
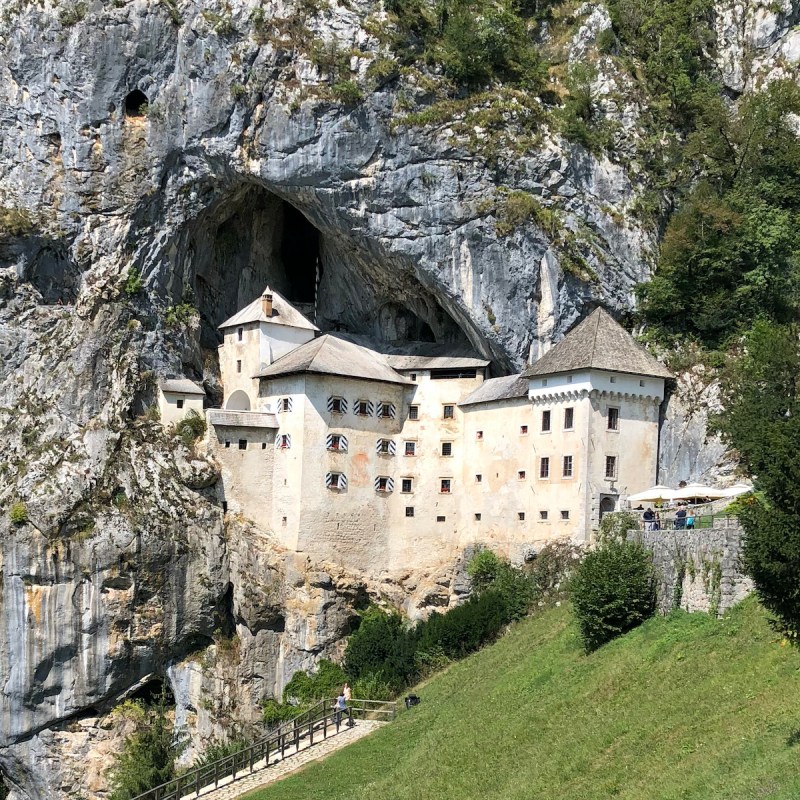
(371, 687)
(180, 315)
(613, 591)
(348, 93)
(273, 712)
(606, 41)
(383, 647)
(552, 569)
(483, 568)
(133, 283)
(217, 749)
(489, 571)
(72, 14)
(191, 428)
(15, 222)
(325, 682)
(148, 756)
(18, 513)
(617, 525)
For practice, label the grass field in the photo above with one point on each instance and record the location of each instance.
(683, 707)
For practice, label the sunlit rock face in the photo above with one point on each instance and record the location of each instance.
(193, 144)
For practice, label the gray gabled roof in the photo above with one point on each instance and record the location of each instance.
(333, 355)
(511, 387)
(283, 313)
(181, 386)
(599, 342)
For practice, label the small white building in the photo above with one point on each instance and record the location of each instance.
(262, 332)
(399, 459)
(177, 397)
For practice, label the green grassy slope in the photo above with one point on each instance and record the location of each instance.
(685, 707)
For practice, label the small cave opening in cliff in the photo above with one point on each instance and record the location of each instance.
(250, 238)
(136, 103)
(151, 691)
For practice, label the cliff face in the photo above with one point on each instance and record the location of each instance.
(200, 146)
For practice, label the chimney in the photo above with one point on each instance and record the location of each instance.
(266, 303)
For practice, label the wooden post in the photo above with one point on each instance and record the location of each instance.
(324, 724)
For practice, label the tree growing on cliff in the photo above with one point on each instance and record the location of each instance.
(148, 757)
(762, 421)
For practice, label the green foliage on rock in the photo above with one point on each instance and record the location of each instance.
(191, 428)
(148, 756)
(15, 222)
(731, 252)
(612, 592)
(307, 688)
(18, 514)
(133, 283)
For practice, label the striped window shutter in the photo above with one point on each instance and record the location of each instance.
(389, 484)
(380, 409)
(342, 441)
(386, 447)
(284, 404)
(342, 404)
(283, 441)
(328, 480)
(370, 406)
(392, 410)
(342, 480)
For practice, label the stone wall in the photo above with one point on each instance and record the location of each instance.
(698, 570)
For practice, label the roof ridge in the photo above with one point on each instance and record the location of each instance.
(596, 329)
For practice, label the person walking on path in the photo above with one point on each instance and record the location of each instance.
(348, 694)
(339, 707)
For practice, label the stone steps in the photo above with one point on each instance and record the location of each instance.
(281, 767)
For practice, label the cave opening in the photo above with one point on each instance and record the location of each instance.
(150, 692)
(300, 255)
(136, 103)
(251, 238)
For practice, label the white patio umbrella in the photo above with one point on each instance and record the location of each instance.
(698, 490)
(737, 490)
(652, 495)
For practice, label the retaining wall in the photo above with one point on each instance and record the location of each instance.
(698, 570)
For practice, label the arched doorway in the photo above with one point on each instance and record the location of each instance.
(238, 401)
(607, 505)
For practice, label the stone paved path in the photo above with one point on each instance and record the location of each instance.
(280, 768)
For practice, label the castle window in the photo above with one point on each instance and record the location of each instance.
(613, 379)
(611, 467)
(545, 421)
(385, 447)
(569, 418)
(285, 404)
(448, 412)
(478, 478)
(263, 445)
(336, 442)
(479, 435)
(336, 480)
(447, 448)
(410, 448)
(363, 408)
(407, 484)
(543, 515)
(544, 381)
(239, 365)
(227, 444)
(565, 515)
(613, 419)
(440, 519)
(641, 383)
(239, 334)
(413, 412)
(386, 410)
(521, 516)
(283, 521)
(413, 376)
(567, 467)
(569, 378)
(478, 516)
(521, 475)
(409, 511)
(243, 444)
(179, 402)
(445, 485)
(337, 405)
(523, 430)
(544, 467)
(384, 484)
(283, 441)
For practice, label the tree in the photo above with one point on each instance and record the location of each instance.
(148, 756)
(613, 591)
(762, 421)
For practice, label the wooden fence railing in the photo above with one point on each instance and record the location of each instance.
(318, 721)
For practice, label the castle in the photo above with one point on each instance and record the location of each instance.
(389, 459)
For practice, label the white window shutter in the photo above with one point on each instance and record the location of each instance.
(392, 410)
(328, 480)
(370, 407)
(343, 442)
(377, 483)
(380, 409)
(390, 485)
(392, 447)
(329, 441)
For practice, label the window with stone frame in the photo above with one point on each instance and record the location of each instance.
(546, 421)
(410, 448)
(566, 470)
(544, 467)
(445, 485)
(448, 411)
(611, 467)
(569, 419)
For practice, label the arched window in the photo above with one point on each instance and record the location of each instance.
(238, 401)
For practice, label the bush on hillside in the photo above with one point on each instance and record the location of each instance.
(191, 428)
(18, 513)
(613, 591)
(308, 688)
